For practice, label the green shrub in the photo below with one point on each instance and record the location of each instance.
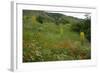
(83, 26)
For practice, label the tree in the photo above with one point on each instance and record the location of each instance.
(40, 19)
(83, 26)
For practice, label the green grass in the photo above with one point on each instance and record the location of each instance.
(46, 42)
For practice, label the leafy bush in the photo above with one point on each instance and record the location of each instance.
(83, 26)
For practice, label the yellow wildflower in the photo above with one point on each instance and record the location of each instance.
(33, 19)
(82, 36)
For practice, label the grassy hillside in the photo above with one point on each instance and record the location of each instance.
(50, 37)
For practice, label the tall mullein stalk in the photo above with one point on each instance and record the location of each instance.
(82, 38)
(61, 30)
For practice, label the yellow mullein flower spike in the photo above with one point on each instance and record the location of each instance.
(33, 19)
(61, 31)
(82, 36)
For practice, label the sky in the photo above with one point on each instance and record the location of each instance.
(78, 15)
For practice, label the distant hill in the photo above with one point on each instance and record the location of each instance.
(51, 17)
